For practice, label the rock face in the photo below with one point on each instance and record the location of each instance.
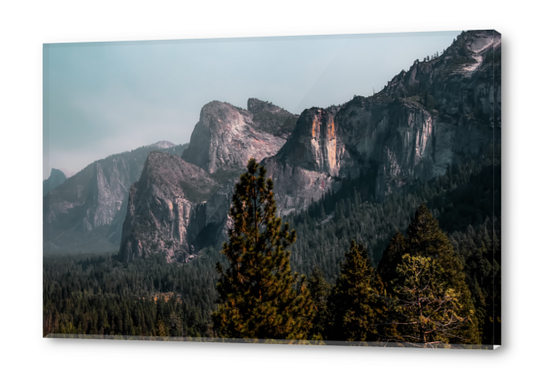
(435, 114)
(226, 137)
(86, 212)
(458, 97)
(167, 209)
(423, 121)
(56, 178)
(181, 205)
(311, 162)
(395, 135)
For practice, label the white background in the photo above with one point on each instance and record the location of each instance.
(26, 25)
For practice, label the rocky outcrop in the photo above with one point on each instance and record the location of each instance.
(57, 177)
(271, 119)
(457, 96)
(315, 144)
(310, 163)
(397, 136)
(433, 115)
(423, 121)
(172, 210)
(226, 137)
(87, 211)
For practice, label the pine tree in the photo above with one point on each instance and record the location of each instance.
(355, 302)
(427, 311)
(391, 258)
(426, 240)
(257, 293)
(319, 290)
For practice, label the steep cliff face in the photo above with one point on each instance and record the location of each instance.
(397, 136)
(310, 163)
(425, 120)
(457, 97)
(315, 144)
(86, 212)
(166, 209)
(327, 146)
(226, 137)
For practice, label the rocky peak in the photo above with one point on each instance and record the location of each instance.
(56, 178)
(226, 137)
(314, 144)
(468, 55)
(166, 209)
(163, 145)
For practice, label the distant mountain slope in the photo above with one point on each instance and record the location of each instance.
(86, 212)
(57, 177)
(438, 113)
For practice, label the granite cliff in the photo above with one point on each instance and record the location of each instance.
(180, 206)
(86, 212)
(442, 110)
(166, 209)
(226, 137)
(438, 112)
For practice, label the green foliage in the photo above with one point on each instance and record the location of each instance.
(355, 302)
(480, 249)
(277, 124)
(458, 255)
(257, 294)
(392, 257)
(427, 311)
(459, 198)
(319, 290)
(426, 240)
(96, 294)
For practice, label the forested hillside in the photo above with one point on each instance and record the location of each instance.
(95, 294)
(98, 295)
(468, 195)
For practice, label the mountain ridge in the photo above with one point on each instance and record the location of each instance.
(410, 132)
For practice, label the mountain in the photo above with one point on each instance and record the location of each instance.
(57, 177)
(86, 212)
(439, 112)
(166, 209)
(227, 136)
(180, 206)
(312, 162)
(443, 110)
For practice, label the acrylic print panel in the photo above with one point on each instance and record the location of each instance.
(336, 190)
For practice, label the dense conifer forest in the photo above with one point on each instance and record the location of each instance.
(96, 294)
(346, 238)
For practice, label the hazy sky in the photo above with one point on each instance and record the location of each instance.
(106, 98)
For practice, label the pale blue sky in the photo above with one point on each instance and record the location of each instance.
(106, 98)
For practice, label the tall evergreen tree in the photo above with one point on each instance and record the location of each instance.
(391, 258)
(425, 239)
(355, 302)
(428, 312)
(319, 290)
(257, 293)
